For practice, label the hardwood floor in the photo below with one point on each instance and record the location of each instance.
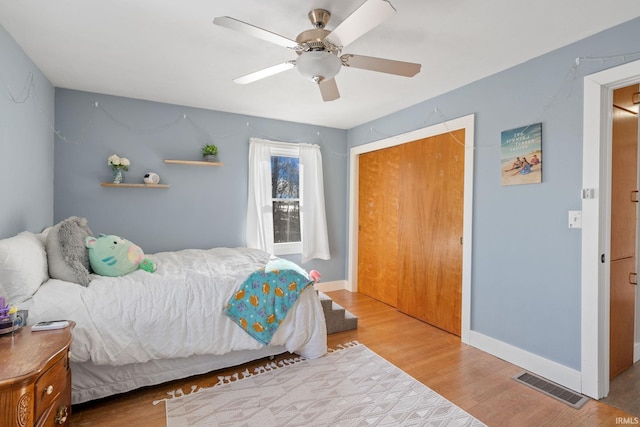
(624, 390)
(479, 383)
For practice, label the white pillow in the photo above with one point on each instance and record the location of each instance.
(23, 266)
(43, 235)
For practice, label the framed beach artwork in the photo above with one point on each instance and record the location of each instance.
(521, 155)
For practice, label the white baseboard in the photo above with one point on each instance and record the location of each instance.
(546, 368)
(636, 352)
(337, 285)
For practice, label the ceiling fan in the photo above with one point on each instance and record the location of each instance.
(319, 50)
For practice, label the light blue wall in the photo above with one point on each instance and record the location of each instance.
(526, 261)
(205, 206)
(26, 142)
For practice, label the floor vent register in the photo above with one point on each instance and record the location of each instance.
(556, 391)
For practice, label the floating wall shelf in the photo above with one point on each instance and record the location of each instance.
(193, 162)
(111, 184)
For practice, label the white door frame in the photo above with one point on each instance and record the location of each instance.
(596, 227)
(466, 123)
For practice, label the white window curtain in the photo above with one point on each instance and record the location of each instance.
(259, 206)
(315, 241)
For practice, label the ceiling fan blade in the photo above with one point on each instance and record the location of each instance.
(369, 15)
(329, 90)
(266, 72)
(252, 30)
(389, 66)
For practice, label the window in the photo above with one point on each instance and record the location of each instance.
(285, 205)
(286, 197)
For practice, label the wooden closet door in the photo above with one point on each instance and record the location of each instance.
(378, 225)
(430, 230)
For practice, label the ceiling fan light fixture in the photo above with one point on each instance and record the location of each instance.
(318, 66)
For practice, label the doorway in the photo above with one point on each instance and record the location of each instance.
(467, 125)
(596, 215)
(624, 203)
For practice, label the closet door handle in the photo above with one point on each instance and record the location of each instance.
(633, 278)
(634, 196)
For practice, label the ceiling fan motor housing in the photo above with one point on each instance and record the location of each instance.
(314, 40)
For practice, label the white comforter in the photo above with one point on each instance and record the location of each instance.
(172, 313)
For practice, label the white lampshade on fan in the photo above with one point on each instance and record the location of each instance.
(318, 66)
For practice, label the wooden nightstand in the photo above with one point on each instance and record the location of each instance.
(35, 378)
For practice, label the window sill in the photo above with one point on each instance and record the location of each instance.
(287, 248)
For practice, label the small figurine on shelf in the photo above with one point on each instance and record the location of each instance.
(118, 164)
(151, 178)
(210, 153)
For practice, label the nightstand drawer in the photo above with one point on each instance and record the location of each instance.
(50, 385)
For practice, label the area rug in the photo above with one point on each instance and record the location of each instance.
(350, 386)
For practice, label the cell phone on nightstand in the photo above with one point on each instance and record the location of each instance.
(49, 325)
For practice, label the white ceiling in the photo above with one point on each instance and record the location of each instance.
(169, 51)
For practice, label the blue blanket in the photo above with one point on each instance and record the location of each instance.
(265, 297)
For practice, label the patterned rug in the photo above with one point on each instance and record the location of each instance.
(351, 386)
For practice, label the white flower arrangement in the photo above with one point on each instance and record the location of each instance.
(117, 162)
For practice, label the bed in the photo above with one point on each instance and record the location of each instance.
(147, 328)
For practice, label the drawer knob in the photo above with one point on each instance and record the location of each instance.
(49, 389)
(61, 415)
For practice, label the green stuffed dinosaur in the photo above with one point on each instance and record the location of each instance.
(114, 256)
